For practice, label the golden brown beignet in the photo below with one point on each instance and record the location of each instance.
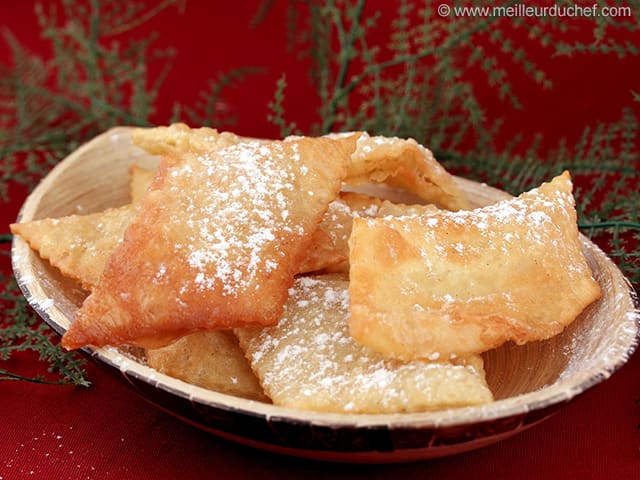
(458, 283)
(78, 245)
(219, 237)
(178, 138)
(403, 164)
(211, 360)
(310, 361)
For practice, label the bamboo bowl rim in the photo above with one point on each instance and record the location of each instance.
(561, 391)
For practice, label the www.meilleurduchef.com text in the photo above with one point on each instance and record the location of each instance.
(524, 10)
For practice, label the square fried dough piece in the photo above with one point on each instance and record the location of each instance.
(401, 163)
(179, 138)
(212, 360)
(458, 283)
(219, 237)
(329, 249)
(322, 252)
(309, 361)
(78, 245)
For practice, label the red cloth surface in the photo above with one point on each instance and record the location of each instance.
(108, 432)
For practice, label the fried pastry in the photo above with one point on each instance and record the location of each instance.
(219, 237)
(78, 245)
(309, 361)
(139, 181)
(397, 162)
(322, 252)
(178, 138)
(403, 164)
(328, 249)
(337, 222)
(211, 360)
(459, 283)
(175, 139)
(390, 209)
(335, 230)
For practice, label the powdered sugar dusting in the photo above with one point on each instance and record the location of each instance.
(339, 217)
(310, 360)
(240, 214)
(531, 222)
(517, 263)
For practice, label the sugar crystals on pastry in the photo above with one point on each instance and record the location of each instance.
(404, 164)
(458, 283)
(310, 361)
(78, 245)
(218, 240)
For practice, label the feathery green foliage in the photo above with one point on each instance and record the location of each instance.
(209, 109)
(22, 330)
(92, 82)
(276, 109)
(50, 106)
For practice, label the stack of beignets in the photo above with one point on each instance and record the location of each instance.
(341, 301)
(218, 240)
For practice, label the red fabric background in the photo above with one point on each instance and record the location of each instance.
(108, 432)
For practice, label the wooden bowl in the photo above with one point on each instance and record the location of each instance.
(529, 382)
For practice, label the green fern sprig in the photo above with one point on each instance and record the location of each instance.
(22, 330)
(49, 107)
(429, 65)
(277, 112)
(209, 109)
